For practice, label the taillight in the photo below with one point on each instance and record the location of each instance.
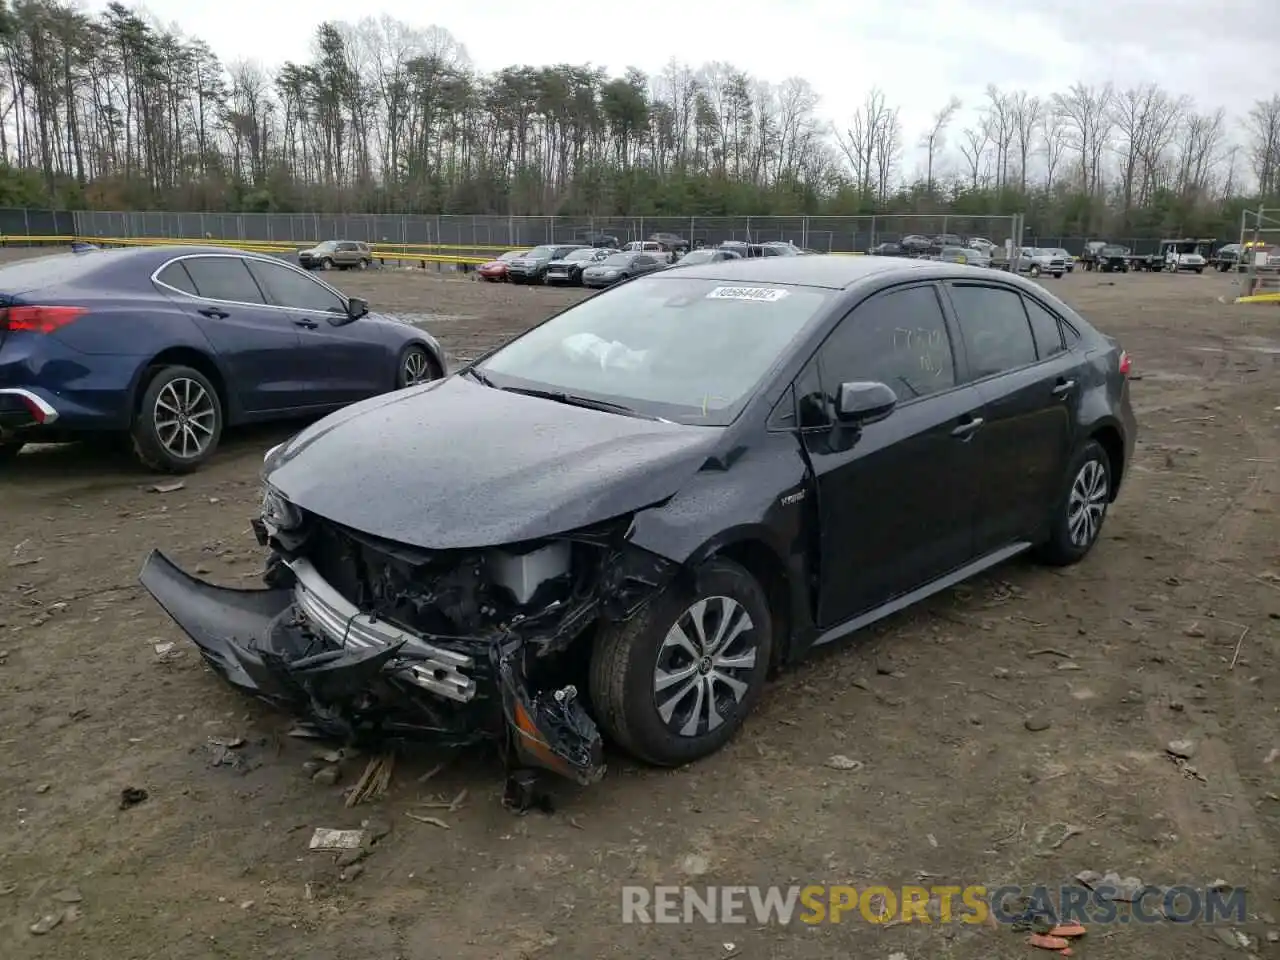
(32, 319)
(1125, 363)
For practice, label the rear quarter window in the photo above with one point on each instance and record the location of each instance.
(175, 275)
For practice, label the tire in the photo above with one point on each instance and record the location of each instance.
(1088, 476)
(627, 656)
(1034, 270)
(1199, 270)
(416, 357)
(326, 264)
(1057, 276)
(9, 450)
(364, 264)
(205, 420)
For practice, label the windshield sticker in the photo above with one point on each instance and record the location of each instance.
(759, 294)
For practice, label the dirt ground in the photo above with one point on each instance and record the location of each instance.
(1169, 631)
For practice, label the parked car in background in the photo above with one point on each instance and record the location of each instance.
(1038, 261)
(785, 248)
(915, 245)
(168, 345)
(1111, 258)
(1185, 255)
(495, 271)
(706, 255)
(771, 249)
(981, 243)
(663, 493)
(621, 266)
(604, 240)
(673, 243)
(651, 247)
(1089, 254)
(947, 240)
(339, 254)
(532, 267)
(886, 250)
(568, 269)
(1059, 253)
(965, 255)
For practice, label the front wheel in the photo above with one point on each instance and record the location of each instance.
(675, 683)
(179, 421)
(326, 264)
(1034, 270)
(1078, 517)
(417, 366)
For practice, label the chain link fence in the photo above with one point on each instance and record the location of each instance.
(489, 233)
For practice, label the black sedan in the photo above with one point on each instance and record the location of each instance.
(167, 345)
(568, 269)
(675, 485)
(620, 266)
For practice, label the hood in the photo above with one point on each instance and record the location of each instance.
(529, 261)
(454, 464)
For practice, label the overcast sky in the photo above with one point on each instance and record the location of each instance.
(919, 51)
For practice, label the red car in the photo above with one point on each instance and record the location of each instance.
(496, 270)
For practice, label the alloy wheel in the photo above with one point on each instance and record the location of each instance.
(704, 666)
(1087, 503)
(185, 418)
(417, 369)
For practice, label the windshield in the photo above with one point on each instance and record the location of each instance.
(689, 350)
(956, 252)
(580, 255)
(514, 255)
(327, 245)
(1114, 251)
(618, 260)
(539, 252)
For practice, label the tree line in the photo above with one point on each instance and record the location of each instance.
(115, 112)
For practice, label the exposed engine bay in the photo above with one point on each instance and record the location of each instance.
(366, 639)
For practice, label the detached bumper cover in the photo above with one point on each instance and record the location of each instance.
(308, 650)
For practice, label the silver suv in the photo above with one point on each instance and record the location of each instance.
(336, 254)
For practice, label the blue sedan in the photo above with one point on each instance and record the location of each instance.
(167, 345)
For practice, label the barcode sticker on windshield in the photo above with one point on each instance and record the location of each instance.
(760, 294)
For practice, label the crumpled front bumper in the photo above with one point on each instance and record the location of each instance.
(308, 650)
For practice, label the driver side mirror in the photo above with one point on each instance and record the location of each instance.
(861, 402)
(356, 308)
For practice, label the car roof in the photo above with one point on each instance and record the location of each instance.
(829, 271)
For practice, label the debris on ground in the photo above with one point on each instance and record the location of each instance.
(325, 838)
(171, 487)
(375, 780)
(841, 762)
(45, 924)
(1123, 889)
(1037, 722)
(521, 793)
(224, 752)
(131, 797)
(1183, 749)
(434, 821)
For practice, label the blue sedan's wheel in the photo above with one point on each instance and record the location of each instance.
(416, 367)
(178, 422)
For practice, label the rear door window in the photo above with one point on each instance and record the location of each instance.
(994, 325)
(223, 278)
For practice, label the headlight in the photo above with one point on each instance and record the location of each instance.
(277, 512)
(611, 274)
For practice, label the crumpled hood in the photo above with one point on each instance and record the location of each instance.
(454, 464)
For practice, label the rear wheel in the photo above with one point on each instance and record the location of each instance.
(675, 683)
(179, 422)
(1078, 517)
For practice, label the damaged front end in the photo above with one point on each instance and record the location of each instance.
(367, 639)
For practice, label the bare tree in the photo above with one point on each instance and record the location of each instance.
(935, 138)
(1264, 144)
(1055, 144)
(1199, 151)
(1134, 115)
(864, 137)
(998, 123)
(888, 148)
(973, 148)
(1086, 117)
(1028, 113)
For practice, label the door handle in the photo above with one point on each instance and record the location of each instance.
(968, 428)
(309, 324)
(214, 313)
(1063, 388)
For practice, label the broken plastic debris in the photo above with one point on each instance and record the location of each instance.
(166, 487)
(326, 839)
(1048, 943)
(841, 762)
